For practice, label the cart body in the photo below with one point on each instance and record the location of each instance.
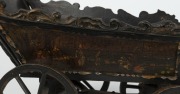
(85, 44)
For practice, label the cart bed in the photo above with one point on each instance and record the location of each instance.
(86, 45)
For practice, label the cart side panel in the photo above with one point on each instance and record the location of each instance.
(96, 54)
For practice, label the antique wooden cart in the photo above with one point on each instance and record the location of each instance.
(64, 46)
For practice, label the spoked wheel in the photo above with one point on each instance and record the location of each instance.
(175, 89)
(46, 74)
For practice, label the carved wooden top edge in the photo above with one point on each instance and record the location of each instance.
(62, 12)
(66, 8)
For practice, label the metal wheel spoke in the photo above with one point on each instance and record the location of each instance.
(42, 89)
(79, 85)
(124, 86)
(45, 74)
(87, 84)
(105, 86)
(23, 86)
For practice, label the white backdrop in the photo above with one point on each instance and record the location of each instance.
(132, 6)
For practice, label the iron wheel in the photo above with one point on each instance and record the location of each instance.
(66, 85)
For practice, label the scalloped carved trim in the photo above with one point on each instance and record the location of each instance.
(62, 12)
(65, 8)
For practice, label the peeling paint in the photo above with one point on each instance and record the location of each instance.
(138, 69)
(12, 44)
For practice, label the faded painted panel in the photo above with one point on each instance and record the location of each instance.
(79, 52)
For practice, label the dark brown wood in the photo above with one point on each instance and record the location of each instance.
(67, 9)
(64, 13)
(93, 42)
(101, 53)
(85, 53)
(12, 6)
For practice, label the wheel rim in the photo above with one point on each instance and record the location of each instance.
(45, 71)
(174, 89)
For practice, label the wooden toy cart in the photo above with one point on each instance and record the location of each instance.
(64, 47)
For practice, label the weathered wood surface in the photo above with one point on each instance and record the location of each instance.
(67, 9)
(72, 52)
(64, 13)
(107, 51)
